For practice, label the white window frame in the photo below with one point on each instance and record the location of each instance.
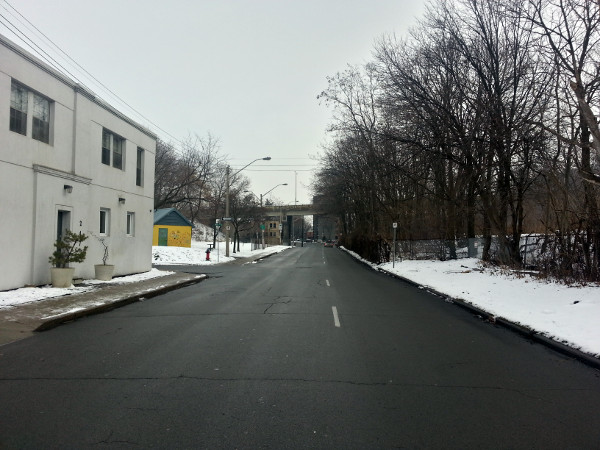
(35, 109)
(41, 116)
(130, 224)
(110, 147)
(19, 102)
(104, 222)
(139, 166)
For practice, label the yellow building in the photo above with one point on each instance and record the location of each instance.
(171, 229)
(273, 231)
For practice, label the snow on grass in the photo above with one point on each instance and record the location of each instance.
(196, 254)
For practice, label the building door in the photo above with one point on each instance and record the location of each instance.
(63, 223)
(163, 236)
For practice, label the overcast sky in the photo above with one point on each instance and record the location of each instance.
(246, 71)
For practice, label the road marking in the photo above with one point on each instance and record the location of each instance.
(327, 281)
(336, 319)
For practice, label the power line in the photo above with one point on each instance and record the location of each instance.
(285, 165)
(47, 58)
(277, 170)
(36, 48)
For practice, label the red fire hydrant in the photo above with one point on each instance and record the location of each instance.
(208, 254)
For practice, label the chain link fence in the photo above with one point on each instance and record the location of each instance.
(441, 249)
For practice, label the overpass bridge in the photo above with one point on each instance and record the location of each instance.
(324, 226)
(293, 210)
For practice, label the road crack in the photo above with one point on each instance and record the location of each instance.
(277, 302)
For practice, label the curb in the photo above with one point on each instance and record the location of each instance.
(501, 321)
(68, 317)
(524, 331)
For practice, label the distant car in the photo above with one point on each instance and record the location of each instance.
(328, 243)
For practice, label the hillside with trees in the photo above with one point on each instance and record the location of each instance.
(483, 122)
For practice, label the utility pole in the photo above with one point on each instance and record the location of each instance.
(266, 158)
(262, 225)
(394, 226)
(227, 226)
(295, 204)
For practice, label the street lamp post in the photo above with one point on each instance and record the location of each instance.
(228, 226)
(261, 205)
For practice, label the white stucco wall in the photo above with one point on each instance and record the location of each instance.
(33, 174)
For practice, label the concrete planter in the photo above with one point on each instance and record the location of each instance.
(104, 272)
(62, 277)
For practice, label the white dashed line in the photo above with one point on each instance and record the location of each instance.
(327, 281)
(336, 319)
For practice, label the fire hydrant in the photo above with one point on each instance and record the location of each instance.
(208, 254)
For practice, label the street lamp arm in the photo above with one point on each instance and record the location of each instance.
(282, 184)
(227, 183)
(266, 158)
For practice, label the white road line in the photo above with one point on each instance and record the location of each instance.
(336, 319)
(327, 281)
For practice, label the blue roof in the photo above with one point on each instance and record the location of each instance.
(170, 216)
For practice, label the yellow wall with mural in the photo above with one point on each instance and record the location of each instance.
(178, 236)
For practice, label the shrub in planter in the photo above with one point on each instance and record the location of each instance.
(104, 271)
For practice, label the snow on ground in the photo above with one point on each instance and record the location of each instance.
(567, 314)
(160, 255)
(196, 255)
(31, 294)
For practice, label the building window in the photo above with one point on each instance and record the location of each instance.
(117, 153)
(112, 145)
(139, 167)
(130, 224)
(18, 108)
(104, 221)
(23, 103)
(106, 144)
(41, 119)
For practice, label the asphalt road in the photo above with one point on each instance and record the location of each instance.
(306, 349)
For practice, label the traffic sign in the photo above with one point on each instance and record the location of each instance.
(395, 225)
(227, 219)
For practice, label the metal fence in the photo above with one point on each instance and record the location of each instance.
(464, 248)
(439, 249)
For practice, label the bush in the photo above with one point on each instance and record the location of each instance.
(68, 249)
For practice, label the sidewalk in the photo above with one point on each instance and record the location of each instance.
(24, 320)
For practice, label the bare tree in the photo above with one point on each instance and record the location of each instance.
(571, 29)
(182, 175)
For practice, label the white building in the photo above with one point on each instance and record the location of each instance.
(68, 161)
